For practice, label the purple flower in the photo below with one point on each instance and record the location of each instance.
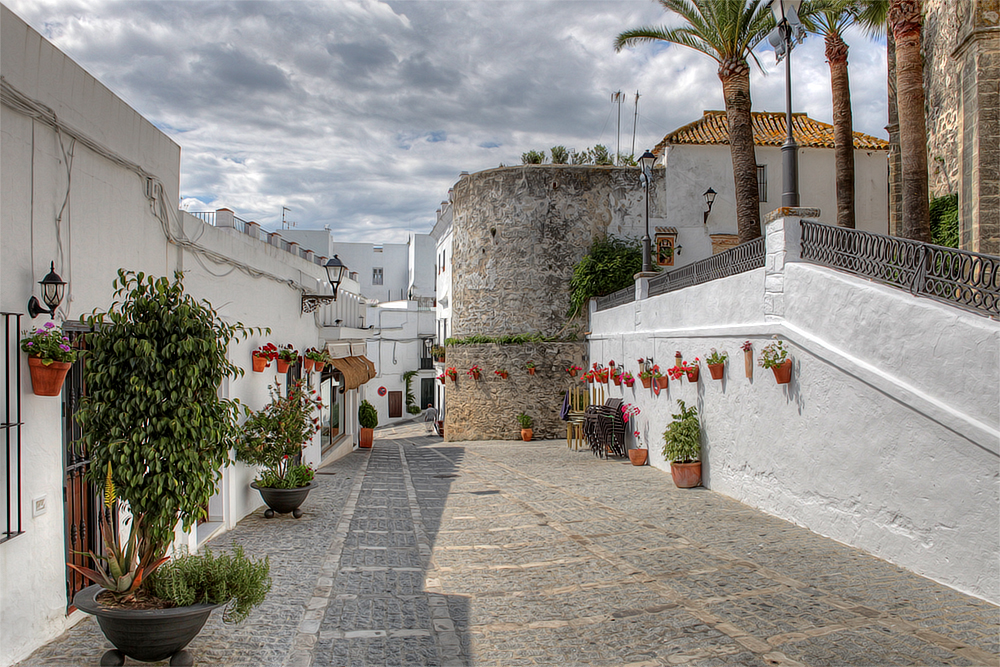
(65, 348)
(49, 325)
(29, 343)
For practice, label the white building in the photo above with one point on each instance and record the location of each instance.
(83, 173)
(442, 235)
(697, 157)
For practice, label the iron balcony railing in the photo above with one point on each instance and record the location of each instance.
(208, 217)
(619, 298)
(10, 428)
(744, 257)
(253, 231)
(965, 279)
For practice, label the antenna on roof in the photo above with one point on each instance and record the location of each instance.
(286, 224)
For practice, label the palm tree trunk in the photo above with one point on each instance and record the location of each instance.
(843, 128)
(895, 169)
(905, 21)
(735, 76)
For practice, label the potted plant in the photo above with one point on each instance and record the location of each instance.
(475, 372)
(443, 377)
(616, 376)
(286, 355)
(367, 420)
(272, 438)
(682, 447)
(438, 353)
(531, 367)
(747, 348)
(152, 411)
(573, 370)
(628, 379)
(452, 373)
(263, 356)
(775, 356)
(691, 370)
(639, 454)
(525, 421)
(716, 363)
(314, 359)
(49, 359)
(502, 372)
(648, 374)
(678, 358)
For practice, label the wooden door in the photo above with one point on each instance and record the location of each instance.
(395, 404)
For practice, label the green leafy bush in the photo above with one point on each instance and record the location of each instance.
(367, 415)
(524, 420)
(609, 265)
(682, 439)
(944, 221)
(230, 579)
(559, 155)
(533, 157)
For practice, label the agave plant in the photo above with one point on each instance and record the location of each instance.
(121, 572)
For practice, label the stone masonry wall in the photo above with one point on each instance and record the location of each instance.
(518, 232)
(487, 409)
(941, 86)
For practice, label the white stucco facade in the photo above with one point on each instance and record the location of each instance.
(442, 235)
(888, 436)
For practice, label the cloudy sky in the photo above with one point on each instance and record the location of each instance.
(360, 114)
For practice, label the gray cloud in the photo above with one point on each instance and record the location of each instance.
(360, 114)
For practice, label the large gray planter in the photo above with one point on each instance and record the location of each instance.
(147, 635)
(283, 501)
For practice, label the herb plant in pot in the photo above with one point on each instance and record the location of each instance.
(367, 420)
(49, 359)
(158, 433)
(273, 438)
(525, 421)
(682, 447)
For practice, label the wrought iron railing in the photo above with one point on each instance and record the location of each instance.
(619, 298)
(744, 257)
(965, 279)
(208, 217)
(241, 225)
(10, 427)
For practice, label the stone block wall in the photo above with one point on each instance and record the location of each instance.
(518, 232)
(487, 409)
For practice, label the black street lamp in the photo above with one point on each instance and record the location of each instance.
(53, 288)
(646, 162)
(709, 199)
(335, 271)
(786, 15)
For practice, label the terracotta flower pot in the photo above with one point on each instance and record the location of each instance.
(693, 374)
(686, 475)
(748, 363)
(282, 365)
(531, 371)
(629, 383)
(47, 380)
(308, 364)
(572, 374)
(365, 437)
(717, 370)
(259, 364)
(320, 365)
(783, 373)
(526, 434)
(618, 382)
(662, 382)
(638, 456)
(647, 382)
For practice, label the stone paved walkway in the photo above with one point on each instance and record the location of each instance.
(508, 553)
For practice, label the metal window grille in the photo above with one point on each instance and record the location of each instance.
(762, 181)
(965, 279)
(11, 427)
(377, 276)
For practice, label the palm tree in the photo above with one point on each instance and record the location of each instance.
(726, 31)
(830, 18)
(906, 23)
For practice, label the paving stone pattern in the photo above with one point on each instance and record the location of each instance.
(510, 553)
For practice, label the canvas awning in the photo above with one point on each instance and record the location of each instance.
(357, 370)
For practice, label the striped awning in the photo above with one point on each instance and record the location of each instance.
(356, 370)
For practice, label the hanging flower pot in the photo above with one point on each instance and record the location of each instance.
(259, 364)
(617, 380)
(693, 373)
(319, 366)
(717, 370)
(662, 381)
(783, 373)
(647, 382)
(47, 379)
(308, 365)
(748, 359)
(531, 371)
(282, 365)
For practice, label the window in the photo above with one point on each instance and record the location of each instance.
(762, 181)
(665, 250)
(377, 276)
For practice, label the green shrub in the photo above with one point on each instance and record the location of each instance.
(559, 155)
(230, 579)
(367, 415)
(533, 157)
(682, 439)
(609, 265)
(524, 420)
(274, 436)
(944, 221)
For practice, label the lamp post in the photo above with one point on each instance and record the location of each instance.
(335, 271)
(646, 162)
(709, 199)
(786, 15)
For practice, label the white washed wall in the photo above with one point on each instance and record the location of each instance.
(887, 437)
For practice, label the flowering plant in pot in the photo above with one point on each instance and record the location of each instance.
(531, 367)
(502, 373)
(639, 454)
(627, 379)
(475, 372)
(452, 373)
(443, 377)
(573, 370)
(273, 438)
(682, 447)
(165, 454)
(314, 359)
(775, 356)
(525, 421)
(367, 420)
(286, 355)
(747, 348)
(49, 359)
(616, 376)
(716, 363)
(648, 374)
(263, 356)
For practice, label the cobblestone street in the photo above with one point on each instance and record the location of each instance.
(509, 553)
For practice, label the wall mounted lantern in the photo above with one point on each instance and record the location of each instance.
(709, 199)
(646, 162)
(53, 288)
(335, 271)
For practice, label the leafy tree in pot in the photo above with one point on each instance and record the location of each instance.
(155, 362)
(682, 439)
(367, 415)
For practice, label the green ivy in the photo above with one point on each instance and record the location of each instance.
(155, 362)
(944, 221)
(609, 265)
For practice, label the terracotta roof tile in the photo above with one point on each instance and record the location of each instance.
(768, 130)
